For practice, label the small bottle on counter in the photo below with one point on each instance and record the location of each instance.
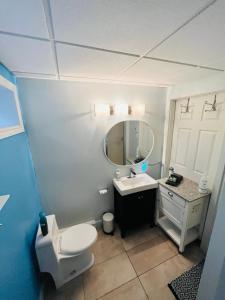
(117, 174)
(203, 184)
(171, 171)
(43, 223)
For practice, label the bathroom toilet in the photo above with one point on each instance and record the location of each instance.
(66, 254)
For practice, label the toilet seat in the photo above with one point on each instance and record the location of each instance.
(77, 239)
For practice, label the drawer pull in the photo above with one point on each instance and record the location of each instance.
(140, 197)
(170, 194)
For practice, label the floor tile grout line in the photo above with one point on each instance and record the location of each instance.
(143, 288)
(115, 288)
(119, 285)
(111, 256)
(126, 251)
(158, 265)
(144, 242)
(158, 235)
(108, 258)
(82, 282)
(137, 276)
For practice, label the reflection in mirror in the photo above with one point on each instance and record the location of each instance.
(129, 142)
(10, 115)
(8, 110)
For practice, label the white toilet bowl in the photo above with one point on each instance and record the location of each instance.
(65, 255)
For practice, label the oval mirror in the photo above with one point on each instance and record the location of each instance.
(129, 142)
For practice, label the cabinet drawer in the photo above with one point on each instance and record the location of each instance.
(173, 211)
(176, 199)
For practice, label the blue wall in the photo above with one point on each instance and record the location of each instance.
(7, 74)
(19, 277)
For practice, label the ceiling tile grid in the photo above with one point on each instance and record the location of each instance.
(168, 73)
(129, 26)
(201, 42)
(80, 61)
(26, 55)
(23, 17)
(83, 38)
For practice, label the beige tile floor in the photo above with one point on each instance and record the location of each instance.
(138, 267)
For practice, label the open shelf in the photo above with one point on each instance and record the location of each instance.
(170, 229)
(175, 233)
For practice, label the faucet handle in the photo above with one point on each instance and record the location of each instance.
(132, 171)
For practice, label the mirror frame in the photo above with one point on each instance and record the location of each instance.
(9, 131)
(137, 164)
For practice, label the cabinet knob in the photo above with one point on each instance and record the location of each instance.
(170, 194)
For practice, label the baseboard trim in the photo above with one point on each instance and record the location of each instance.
(96, 223)
(41, 293)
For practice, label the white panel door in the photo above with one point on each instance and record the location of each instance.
(198, 136)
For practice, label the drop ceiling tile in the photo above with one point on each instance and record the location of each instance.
(194, 75)
(26, 55)
(220, 64)
(129, 26)
(200, 42)
(77, 61)
(23, 17)
(165, 73)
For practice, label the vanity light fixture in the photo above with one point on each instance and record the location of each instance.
(121, 109)
(102, 109)
(137, 109)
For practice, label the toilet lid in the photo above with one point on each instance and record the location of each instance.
(77, 238)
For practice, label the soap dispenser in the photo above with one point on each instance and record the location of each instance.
(117, 174)
(43, 223)
(203, 184)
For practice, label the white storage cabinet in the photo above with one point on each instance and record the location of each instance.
(181, 218)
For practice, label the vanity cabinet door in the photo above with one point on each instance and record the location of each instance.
(134, 209)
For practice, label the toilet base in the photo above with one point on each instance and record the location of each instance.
(71, 268)
(65, 259)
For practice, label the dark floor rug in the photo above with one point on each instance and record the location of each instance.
(185, 287)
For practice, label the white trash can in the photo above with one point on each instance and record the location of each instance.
(108, 223)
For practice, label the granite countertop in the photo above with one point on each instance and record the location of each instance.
(187, 189)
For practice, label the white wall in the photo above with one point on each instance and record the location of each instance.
(212, 284)
(67, 141)
(206, 85)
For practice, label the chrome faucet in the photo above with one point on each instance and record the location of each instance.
(132, 172)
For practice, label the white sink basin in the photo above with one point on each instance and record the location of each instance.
(140, 182)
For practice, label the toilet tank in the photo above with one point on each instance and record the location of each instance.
(47, 246)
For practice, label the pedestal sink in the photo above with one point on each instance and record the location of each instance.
(141, 182)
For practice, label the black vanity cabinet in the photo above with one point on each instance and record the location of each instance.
(134, 209)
